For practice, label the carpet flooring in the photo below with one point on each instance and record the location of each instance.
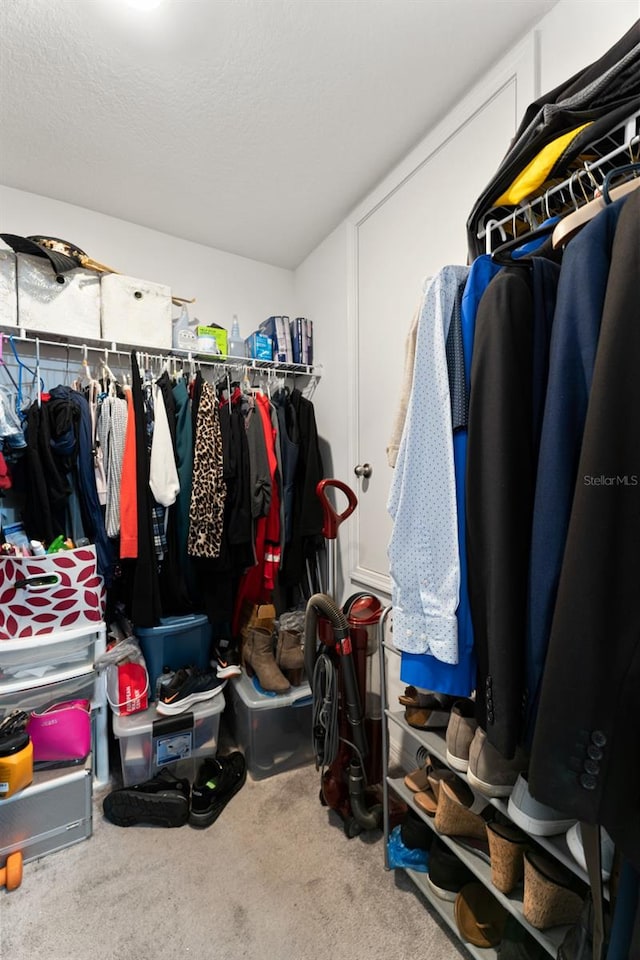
(274, 878)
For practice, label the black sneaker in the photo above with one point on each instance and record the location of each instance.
(225, 659)
(196, 685)
(217, 782)
(162, 801)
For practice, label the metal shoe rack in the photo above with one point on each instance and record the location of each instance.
(433, 743)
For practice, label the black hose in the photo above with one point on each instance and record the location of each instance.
(368, 819)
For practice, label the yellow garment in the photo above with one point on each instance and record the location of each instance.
(537, 171)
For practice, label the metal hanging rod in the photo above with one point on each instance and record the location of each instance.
(105, 348)
(572, 192)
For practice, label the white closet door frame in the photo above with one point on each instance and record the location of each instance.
(521, 67)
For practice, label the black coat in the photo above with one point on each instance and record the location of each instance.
(586, 754)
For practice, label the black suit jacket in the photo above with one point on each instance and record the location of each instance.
(586, 749)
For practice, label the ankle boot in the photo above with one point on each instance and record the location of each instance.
(289, 655)
(257, 657)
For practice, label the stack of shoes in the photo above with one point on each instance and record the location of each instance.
(162, 801)
(188, 686)
(489, 772)
(425, 784)
(169, 801)
(218, 780)
(426, 710)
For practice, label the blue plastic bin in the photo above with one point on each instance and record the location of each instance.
(176, 642)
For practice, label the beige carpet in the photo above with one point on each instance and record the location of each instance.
(273, 879)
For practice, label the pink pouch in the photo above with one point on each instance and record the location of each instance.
(61, 732)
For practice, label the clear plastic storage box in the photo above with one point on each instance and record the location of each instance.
(149, 741)
(274, 732)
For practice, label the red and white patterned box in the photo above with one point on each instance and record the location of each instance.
(41, 594)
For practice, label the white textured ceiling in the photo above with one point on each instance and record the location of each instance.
(249, 125)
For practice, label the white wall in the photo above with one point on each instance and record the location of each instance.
(222, 283)
(572, 35)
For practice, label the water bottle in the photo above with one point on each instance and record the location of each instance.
(236, 346)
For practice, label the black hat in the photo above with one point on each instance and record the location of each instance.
(47, 248)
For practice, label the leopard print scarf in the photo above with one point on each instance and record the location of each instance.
(208, 490)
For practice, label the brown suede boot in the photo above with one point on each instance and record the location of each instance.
(289, 656)
(257, 657)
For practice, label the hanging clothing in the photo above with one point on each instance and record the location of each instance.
(585, 759)
(184, 464)
(163, 473)
(290, 451)
(576, 328)
(111, 434)
(128, 486)
(98, 455)
(393, 447)
(146, 603)
(510, 351)
(423, 550)
(306, 537)
(208, 492)
(92, 513)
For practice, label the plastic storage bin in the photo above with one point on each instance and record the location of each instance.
(176, 642)
(31, 657)
(274, 733)
(149, 741)
(38, 694)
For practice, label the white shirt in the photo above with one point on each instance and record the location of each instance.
(423, 550)
(163, 473)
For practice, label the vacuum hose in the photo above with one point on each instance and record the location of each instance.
(368, 819)
(321, 603)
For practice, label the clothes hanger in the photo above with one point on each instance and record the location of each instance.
(574, 222)
(503, 253)
(34, 374)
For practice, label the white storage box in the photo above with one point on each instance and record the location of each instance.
(68, 303)
(274, 733)
(37, 657)
(149, 741)
(136, 311)
(41, 594)
(8, 289)
(52, 813)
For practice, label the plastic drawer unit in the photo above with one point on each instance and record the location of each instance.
(52, 813)
(149, 741)
(176, 642)
(274, 732)
(31, 658)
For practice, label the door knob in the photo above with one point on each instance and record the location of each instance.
(363, 470)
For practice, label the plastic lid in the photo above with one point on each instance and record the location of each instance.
(173, 625)
(142, 722)
(295, 696)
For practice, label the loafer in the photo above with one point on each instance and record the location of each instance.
(460, 732)
(489, 772)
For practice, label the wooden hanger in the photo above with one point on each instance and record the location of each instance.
(574, 222)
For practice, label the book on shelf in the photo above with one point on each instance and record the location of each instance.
(277, 328)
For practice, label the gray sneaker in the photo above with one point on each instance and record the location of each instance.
(460, 730)
(489, 772)
(534, 817)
